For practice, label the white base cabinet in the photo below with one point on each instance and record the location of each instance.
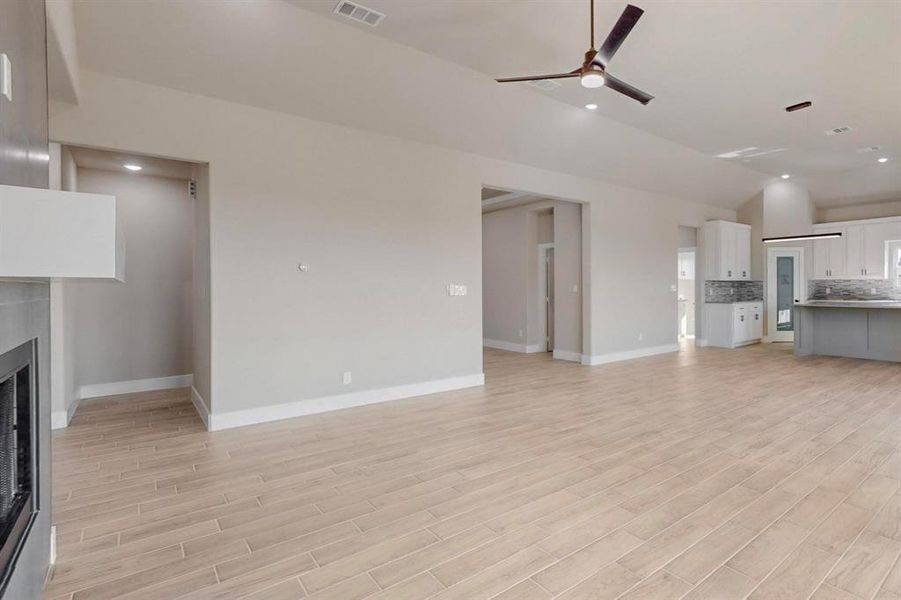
(733, 325)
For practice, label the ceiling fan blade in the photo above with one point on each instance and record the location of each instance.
(539, 77)
(624, 88)
(617, 35)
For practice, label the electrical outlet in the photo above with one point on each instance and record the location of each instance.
(828, 290)
(640, 337)
(872, 291)
(520, 333)
(575, 288)
(348, 377)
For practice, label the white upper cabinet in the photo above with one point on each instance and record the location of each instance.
(743, 252)
(859, 254)
(727, 251)
(829, 255)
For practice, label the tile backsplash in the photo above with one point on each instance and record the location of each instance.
(726, 292)
(853, 289)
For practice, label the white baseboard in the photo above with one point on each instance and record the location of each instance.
(510, 346)
(264, 414)
(60, 419)
(533, 348)
(200, 406)
(135, 385)
(568, 355)
(701, 342)
(601, 359)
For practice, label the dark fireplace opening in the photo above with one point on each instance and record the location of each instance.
(18, 460)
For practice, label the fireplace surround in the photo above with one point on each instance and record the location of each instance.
(18, 453)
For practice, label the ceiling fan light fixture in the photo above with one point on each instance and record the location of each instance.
(592, 78)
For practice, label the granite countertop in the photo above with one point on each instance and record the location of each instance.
(884, 304)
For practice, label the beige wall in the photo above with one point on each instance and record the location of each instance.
(142, 328)
(855, 212)
(505, 259)
(285, 190)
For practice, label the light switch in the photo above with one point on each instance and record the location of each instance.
(6, 77)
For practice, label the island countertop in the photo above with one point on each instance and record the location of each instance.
(870, 330)
(868, 304)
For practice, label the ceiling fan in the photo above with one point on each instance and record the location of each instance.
(593, 72)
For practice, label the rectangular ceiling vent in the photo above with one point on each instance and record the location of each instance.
(359, 13)
(546, 85)
(869, 149)
(838, 130)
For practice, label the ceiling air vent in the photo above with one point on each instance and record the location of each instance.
(546, 85)
(359, 13)
(838, 130)
(869, 149)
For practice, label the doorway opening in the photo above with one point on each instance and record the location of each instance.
(151, 330)
(532, 293)
(686, 287)
(785, 282)
(686, 293)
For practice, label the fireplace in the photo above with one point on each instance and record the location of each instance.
(18, 452)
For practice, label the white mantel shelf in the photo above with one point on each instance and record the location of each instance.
(54, 234)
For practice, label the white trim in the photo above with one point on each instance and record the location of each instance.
(511, 346)
(311, 406)
(135, 385)
(200, 406)
(60, 419)
(610, 357)
(568, 355)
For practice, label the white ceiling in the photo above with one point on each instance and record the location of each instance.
(90, 158)
(721, 73)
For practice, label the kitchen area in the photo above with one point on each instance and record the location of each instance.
(853, 304)
(833, 292)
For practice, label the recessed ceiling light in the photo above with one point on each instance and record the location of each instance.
(882, 160)
(591, 106)
(785, 176)
(132, 167)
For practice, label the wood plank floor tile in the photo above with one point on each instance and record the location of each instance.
(640, 479)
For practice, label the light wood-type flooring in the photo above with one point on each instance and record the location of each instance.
(708, 473)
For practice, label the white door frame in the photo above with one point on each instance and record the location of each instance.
(773, 335)
(543, 295)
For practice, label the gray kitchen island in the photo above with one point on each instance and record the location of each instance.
(854, 329)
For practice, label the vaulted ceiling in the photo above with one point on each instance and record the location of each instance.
(722, 72)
